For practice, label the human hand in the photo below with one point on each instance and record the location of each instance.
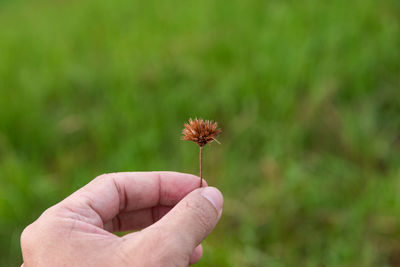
(78, 231)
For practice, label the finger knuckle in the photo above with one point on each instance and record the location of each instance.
(164, 248)
(201, 214)
(103, 176)
(170, 252)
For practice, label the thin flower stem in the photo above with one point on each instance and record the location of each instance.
(201, 132)
(201, 167)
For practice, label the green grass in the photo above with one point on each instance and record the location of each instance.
(307, 93)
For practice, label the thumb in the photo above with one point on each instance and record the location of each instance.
(191, 220)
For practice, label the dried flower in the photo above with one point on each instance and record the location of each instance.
(201, 132)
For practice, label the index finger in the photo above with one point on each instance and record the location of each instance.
(110, 194)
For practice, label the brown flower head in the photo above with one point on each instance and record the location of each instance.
(201, 132)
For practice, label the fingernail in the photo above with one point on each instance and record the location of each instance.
(219, 214)
(215, 197)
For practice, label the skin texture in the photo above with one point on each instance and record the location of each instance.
(173, 215)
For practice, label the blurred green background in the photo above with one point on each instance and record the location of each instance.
(306, 92)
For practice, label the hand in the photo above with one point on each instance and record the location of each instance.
(78, 231)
